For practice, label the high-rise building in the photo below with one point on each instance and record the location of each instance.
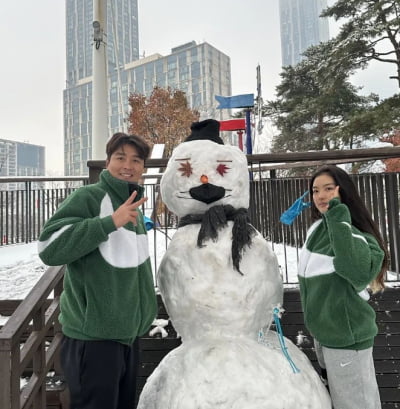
(21, 159)
(301, 27)
(200, 70)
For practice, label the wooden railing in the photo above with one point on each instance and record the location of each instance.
(29, 341)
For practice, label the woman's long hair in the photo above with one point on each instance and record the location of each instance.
(360, 216)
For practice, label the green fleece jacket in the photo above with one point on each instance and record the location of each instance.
(108, 285)
(336, 265)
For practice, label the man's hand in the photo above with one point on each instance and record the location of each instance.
(127, 211)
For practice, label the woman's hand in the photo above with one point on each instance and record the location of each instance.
(336, 192)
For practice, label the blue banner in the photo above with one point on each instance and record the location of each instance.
(237, 101)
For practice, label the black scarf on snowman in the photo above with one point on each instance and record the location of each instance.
(215, 219)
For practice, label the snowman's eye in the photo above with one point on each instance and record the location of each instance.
(186, 169)
(222, 169)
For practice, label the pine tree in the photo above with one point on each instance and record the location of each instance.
(311, 105)
(370, 32)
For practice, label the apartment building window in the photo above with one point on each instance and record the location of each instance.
(171, 63)
(184, 73)
(195, 70)
(196, 100)
(195, 86)
(171, 74)
(193, 55)
(159, 67)
(182, 59)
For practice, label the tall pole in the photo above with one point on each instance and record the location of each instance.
(249, 147)
(99, 83)
(259, 100)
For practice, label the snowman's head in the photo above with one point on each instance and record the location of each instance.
(201, 174)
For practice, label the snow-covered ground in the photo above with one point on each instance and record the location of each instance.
(20, 266)
(20, 269)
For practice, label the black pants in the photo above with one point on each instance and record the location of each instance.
(100, 374)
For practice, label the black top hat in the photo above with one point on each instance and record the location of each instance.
(207, 130)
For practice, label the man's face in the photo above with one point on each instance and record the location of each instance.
(125, 164)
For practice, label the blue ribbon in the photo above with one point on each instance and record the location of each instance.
(282, 340)
(294, 210)
(148, 223)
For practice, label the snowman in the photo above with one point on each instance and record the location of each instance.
(220, 282)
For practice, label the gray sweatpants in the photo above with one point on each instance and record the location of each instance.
(351, 377)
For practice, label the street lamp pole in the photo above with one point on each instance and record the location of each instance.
(99, 82)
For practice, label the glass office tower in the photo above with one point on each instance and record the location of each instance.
(301, 27)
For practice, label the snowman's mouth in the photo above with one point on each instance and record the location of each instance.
(206, 193)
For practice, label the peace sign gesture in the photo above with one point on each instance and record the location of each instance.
(127, 211)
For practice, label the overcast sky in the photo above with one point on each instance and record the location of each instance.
(32, 69)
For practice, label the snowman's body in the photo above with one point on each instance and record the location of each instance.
(206, 297)
(219, 311)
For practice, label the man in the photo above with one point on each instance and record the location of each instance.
(108, 298)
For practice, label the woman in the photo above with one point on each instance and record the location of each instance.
(343, 254)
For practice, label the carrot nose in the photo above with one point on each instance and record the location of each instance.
(204, 179)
